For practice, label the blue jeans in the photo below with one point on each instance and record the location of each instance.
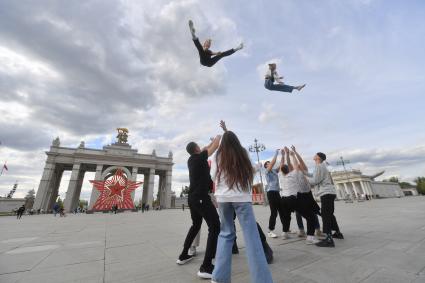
(257, 263)
(278, 87)
(300, 221)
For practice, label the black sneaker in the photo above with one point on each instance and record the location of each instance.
(327, 243)
(337, 235)
(206, 272)
(235, 249)
(184, 259)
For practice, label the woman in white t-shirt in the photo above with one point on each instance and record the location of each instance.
(233, 174)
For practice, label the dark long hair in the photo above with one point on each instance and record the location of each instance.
(233, 161)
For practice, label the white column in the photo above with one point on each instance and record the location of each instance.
(72, 187)
(369, 185)
(134, 178)
(94, 192)
(355, 190)
(151, 184)
(365, 190)
(347, 190)
(168, 177)
(42, 196)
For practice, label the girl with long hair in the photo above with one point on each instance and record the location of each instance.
(233, 174)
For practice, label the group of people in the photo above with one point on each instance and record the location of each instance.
(289, 190)
(230, 176)
(208, 58)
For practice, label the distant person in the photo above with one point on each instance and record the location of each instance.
(208, 58)
(183, 206)
(56, 209)
(20, 212)
(201, 206)
(143, 207)
(274, 82)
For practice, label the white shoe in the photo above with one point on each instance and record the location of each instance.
(239, 47)
(301, 234)
(285, 235)
(311, 240)
(271, 234)
(192, 251)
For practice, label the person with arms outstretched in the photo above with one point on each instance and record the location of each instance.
(274, 82)
(208, 58)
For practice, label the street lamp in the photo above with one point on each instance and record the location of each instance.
(258, 147)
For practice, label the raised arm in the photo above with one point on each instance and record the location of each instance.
(223, 125)
(288, 159)
(273, 162)
(302, 165)
(296, 165)
(282, 159)
(212, 147)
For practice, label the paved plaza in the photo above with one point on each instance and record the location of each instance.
(385, 242)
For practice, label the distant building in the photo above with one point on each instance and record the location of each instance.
(410, 191)
(355, 185)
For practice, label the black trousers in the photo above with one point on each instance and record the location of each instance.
(328, 217)
(288, 205)
(203, 209)
(275, 208)
(306, 208)
(207, 60)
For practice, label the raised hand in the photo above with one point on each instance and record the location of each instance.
(293, 148)
(286, 149)
(223, 125)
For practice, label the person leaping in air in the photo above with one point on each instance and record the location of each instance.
(206, 56)
(272, 77)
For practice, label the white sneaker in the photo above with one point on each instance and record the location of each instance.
(239, 47)
(285, 235)
(271, 234)
(311, 240)
(301, 234)
(192, 251)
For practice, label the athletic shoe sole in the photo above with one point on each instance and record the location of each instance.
(204, 275)
(181, 262)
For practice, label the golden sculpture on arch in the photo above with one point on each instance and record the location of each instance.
(122, 135)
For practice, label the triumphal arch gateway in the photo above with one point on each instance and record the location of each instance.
(118, 157)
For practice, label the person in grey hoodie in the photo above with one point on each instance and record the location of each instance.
(321, 179)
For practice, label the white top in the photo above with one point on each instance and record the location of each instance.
(288, 184)
(222, 192)
(275, 76)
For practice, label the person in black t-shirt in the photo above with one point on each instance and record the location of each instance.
(201, 206)
(205, 54)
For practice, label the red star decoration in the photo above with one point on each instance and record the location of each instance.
(115, 191)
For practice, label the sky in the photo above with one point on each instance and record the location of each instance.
(78, 70)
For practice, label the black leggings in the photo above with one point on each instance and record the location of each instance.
(275, 208)
(328, 217)
(206, 59)
(289, 205)
(306, 209)
(203, 208)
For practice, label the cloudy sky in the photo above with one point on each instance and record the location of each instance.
(80, 69)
